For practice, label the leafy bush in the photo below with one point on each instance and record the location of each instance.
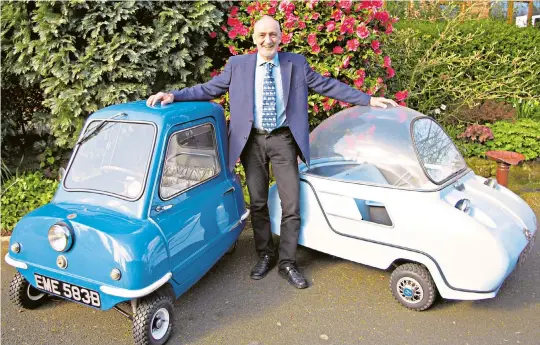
(487, 111)
(477, 133)
(464, 63)
(87, 55)
(529, 109)
(23, 194)
(344, 39)
(523, 136)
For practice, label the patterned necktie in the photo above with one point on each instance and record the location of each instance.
(269, 118)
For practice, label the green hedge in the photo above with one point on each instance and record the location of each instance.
(23, 194)
(463, 63)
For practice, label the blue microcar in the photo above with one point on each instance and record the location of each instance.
(145, 208)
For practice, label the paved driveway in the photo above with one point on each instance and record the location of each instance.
(347, 304)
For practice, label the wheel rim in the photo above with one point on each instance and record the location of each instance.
(160, 323)
(33, 293)
(410, 290)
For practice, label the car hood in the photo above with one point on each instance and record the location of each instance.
(103, 240)
(504, 213)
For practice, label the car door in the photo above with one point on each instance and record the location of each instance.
(193, 204)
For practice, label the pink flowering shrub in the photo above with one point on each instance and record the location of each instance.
(477, 133)
(341, 39)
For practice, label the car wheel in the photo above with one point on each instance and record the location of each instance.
(413, 287)
(232, 249)
(153, 320)
(24, 295)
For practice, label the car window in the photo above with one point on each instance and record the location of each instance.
(114, 160)
(190, 160)
(436, 151)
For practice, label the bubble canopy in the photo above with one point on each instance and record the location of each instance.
(395, 147)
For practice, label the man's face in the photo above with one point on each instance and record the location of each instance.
(267, 37)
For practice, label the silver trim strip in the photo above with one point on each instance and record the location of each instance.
(15, 263)
(244, 217)
(114, 291)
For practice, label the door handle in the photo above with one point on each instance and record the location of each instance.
(229, 190)
(160, 208)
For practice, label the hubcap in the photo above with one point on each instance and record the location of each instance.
(409, 289)
(33, 293)
(160, 323)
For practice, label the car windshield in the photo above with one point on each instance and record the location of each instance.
(436, 151)
(114, 160)
(374, 146)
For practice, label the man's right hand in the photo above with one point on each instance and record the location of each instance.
(165, 98)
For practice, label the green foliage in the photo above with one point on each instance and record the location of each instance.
(86, 55)
(529, 109)
(23, 194)
(463, 63)
(522, 136)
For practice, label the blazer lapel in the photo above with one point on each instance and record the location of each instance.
(286, 70)
(249, 74)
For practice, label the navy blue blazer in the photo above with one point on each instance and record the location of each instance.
(238, 78)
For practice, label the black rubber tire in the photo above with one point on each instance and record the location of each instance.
(147, 308)
(19, 288)
(422, 276)
(232, 249)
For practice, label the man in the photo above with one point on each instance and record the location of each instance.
(268, 94)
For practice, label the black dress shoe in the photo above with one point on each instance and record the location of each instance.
(262, 267)
(293, 276)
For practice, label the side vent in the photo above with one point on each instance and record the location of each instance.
(373, 211)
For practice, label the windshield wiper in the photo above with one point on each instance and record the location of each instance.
(98, 128)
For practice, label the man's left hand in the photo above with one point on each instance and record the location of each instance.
(381, 102)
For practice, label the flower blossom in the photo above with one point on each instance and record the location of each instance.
(387, 61)
(312, 39)
(337, 50)
(353, 44)
(362, 31)
(402, 95)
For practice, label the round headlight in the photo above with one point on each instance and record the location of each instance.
(60, 237)
(464, 205)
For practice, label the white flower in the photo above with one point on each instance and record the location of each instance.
(443, 107)
(437, 111)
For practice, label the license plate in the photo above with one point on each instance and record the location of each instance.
(69, 291)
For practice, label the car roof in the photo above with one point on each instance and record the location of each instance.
(170, 114)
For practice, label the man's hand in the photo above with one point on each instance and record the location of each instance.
(381, 102)
(165, 98)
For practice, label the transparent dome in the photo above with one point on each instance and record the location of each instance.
(396, 147)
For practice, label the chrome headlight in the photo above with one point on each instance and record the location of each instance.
(60, 237)
(464, 205)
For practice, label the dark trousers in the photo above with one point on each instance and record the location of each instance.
(280, 149)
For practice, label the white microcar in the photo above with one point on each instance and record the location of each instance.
(388, 188)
